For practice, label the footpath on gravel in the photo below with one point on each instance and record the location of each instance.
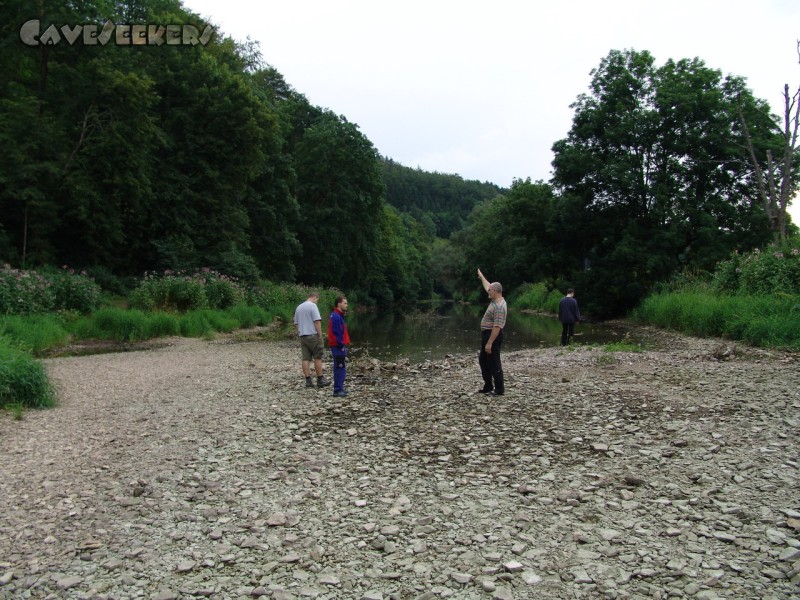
(205, 469)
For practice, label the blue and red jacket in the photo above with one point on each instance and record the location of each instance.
(337, 330)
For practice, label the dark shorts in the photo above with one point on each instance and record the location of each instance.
(311, 346)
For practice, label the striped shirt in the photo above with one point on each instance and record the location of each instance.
(495, 315)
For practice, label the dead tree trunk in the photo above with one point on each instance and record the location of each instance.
(775, 187)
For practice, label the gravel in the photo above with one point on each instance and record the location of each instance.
(206, 469)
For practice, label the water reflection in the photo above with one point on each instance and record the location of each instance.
(455, 329)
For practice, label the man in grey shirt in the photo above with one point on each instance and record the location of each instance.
(309, 327)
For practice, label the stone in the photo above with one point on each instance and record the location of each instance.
(255, 482)
(461, 577)
(185, 566)
(68, 583)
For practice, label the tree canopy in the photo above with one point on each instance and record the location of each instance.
(656, 162)
(135, 158)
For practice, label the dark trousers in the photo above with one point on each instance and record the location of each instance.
(491, 369)
(567, 333)
(339, 368)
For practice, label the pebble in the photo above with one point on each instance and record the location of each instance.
(203, 469)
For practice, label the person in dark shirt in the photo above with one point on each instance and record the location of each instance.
(568, 314)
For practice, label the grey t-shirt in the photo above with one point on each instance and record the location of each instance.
(304, 317)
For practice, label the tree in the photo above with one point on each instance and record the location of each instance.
(656, 157)
(511, 236)
(340, 192)
(778, 183)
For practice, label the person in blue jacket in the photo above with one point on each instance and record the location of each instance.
(338, 341)
(568, 314)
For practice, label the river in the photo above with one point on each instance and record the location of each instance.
(455, 329)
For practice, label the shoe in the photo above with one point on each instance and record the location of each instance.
(485, 391)
(321, 382)
(309, 383)
(340, 394)
(494, 393)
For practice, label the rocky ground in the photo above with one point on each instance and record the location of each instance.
(204, 469)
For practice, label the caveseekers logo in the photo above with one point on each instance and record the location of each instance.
(92, 34)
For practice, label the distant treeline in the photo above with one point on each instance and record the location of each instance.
(127, 159)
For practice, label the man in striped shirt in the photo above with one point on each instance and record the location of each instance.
(492, 325)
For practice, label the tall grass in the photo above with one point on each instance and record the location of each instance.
(23, 381)
(35, 333)
(115, 324)
(136, 325)
(759, 320)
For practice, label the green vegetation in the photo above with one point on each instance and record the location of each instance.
(622, 347)
(104, 166)
(760, 320)
(753, 297)
(191, 305)
(440, 202)
(23, 381)
(536, 296)
(35, 333)
(46, 290)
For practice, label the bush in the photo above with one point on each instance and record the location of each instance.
(537, 296)
(73, 291)
(760, 320)
(32, 292)
(23, 380)
(281, 299)
(249, 316)
(25, 292)
(774, 270)
(221, 291)
(183, 292)
(108, 282)
(204, 323)
(162, 324)
(114, 324)
(170, 291)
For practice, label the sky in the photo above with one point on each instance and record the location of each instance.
(484, 90)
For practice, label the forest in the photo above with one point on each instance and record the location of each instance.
(122, 160)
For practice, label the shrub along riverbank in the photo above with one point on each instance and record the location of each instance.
(752, 297)
(50, 309)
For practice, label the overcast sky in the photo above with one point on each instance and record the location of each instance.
(484, 89)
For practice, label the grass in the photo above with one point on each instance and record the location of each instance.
(771, 321)
(23, 380)
(35, 333)
(622, 347)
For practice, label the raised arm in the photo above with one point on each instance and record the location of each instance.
(484, 281)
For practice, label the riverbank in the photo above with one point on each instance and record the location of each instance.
(205, 469)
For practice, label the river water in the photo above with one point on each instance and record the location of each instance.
(455, 329)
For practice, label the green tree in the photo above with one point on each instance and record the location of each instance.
(511, 236)
(272, 207)
(340, 192)
(401, 271)
(440, 201)
(656, 157)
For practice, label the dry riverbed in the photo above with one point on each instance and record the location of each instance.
(205, 469)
